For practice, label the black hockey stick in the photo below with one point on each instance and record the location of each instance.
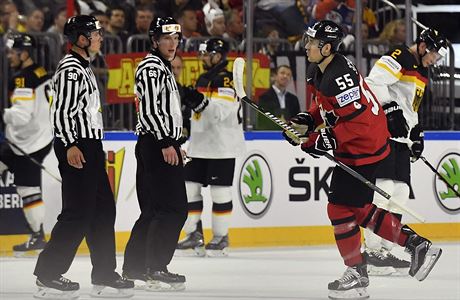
(13, 145)
(439, 175)
(238, 69)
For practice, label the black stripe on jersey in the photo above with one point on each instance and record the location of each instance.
(364, 155)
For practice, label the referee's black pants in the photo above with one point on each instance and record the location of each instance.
(88, 211)
(163, 203)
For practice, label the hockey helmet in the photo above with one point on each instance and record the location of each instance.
(214, 45)
(81, 25)
(166, 25)
(327, 32)
(20, 41)
(434, 41)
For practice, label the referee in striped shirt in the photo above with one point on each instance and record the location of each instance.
(88, 206)
(160, 174)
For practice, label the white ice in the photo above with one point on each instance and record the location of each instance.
(276, 273)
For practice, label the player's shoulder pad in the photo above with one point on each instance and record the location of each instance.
(398, 58)
(341, 80)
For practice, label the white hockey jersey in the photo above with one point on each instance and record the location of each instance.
(397, 76)
(217, 132)
(27, 121)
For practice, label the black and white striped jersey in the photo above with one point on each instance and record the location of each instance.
(159, 106)
(76, 110)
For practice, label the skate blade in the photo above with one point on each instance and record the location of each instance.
(47, 293)
(196, 252)
(380, 271)
(431, 259)
(159, 286)
(27, 254)
(102, 291)
(217, 253)
(358, 293)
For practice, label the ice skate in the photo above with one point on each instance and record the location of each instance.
(191, 245)
(352, 284)
(164, 281)
(383, 263)
(115, 287)
(57, 288)
(32, 247)
(138, 278)
(218, 246)
(423, 255)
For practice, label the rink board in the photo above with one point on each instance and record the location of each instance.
(279, 193)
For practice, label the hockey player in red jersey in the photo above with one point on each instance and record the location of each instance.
(398, 79)
(355, 129)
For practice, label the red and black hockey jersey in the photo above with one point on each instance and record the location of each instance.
(347, 106)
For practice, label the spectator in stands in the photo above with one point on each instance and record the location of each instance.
(214, 20)
(394, 33)
(188, 21)
(166, 8)
(10, 17)
(117, 24)
(60, 18)
(234, 25)
(370, 19)
(87, 7)
(35, 21)
(272, 46)
(144, 16)
(277, 99)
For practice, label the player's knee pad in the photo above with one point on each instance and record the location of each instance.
(29, 194)
(343, 221)
(193, 191)
(386, 185)
(221, 194)
(400, 196)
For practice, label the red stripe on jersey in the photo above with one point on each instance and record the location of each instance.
(416, 74)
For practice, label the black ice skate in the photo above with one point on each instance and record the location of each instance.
(33, 246)
(114, 287)
(352, 284)
(57, 288)
(423, 255)
(138, 278)
(218, 246)
(192, 244)
(159, 281)
(383, 263)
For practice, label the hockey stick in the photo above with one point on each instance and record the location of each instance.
(439, 175)
(32, 160)
(238, 68)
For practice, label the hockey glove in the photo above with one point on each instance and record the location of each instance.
(397, 125)
(417, 138)
(194, 99)
(319, 143)
(303, 123)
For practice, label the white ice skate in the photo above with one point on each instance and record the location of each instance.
(59, 288)
(383, 263)
(164, 281)
(352, 284)
(218, 246)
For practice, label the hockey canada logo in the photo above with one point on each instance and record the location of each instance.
(449, 168)
(255, 186)
(114, 167)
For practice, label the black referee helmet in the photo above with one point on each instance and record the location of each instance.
(164, 26)
(81, 25)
